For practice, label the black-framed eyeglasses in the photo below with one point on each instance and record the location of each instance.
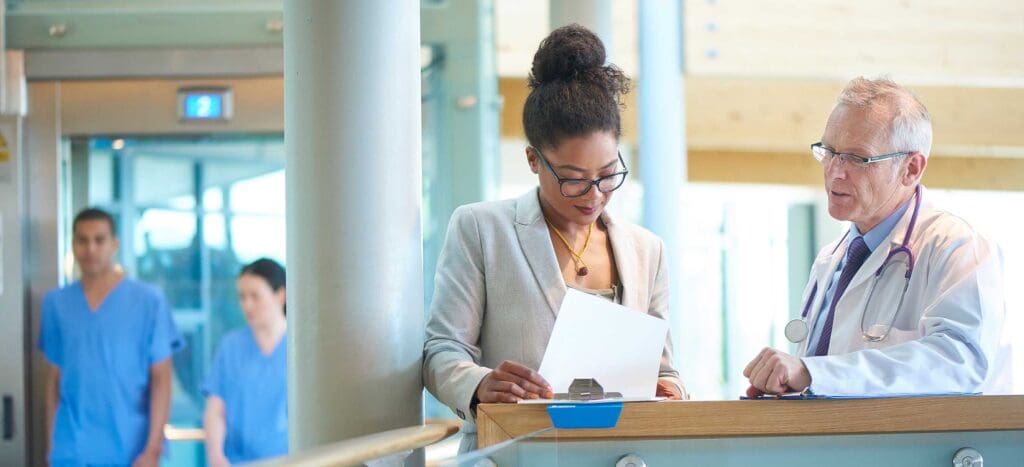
(576, 187)
(826, 156)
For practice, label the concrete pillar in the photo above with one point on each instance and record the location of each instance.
(355, 284)
(662, 131)
(595, 15)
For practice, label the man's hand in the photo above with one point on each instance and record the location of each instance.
(148, 458)
(776, 372)
(512, 382)
(666, 388)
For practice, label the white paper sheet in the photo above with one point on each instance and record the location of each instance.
(595, 338)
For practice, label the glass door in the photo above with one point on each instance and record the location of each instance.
(191, 211)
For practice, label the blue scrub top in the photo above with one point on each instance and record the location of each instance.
(104, 359)
(254, 388)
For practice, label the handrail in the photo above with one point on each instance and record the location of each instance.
(173, 433)
(714, 419)
(357, 451)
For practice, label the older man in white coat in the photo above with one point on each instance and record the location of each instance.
(910, 299)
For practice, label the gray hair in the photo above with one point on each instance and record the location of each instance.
(911, 127)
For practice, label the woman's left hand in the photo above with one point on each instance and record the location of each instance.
(148, 458)
(668, 389)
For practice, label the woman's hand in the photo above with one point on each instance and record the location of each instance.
(219, 461)
(668, 389)
(148, 458)
(512, 382)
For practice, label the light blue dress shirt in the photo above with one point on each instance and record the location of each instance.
(873, 238)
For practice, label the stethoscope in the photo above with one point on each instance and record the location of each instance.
(797, 330)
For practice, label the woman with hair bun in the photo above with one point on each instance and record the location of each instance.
(246, 416)
(506, 265)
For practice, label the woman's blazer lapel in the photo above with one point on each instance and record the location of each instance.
(535, 242)
(624, 249)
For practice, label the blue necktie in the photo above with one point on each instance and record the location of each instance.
(856, 255)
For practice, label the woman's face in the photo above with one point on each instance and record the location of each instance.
(259, 302)
(591, 156)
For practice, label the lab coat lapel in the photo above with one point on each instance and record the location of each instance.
(535, 242)
(823, 269)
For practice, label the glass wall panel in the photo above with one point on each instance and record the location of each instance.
(167, 255)
(257, 236)
(263, 194)
(101, 178)
(193, 250)
(163, 181)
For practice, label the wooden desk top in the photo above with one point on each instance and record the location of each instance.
(715, 419)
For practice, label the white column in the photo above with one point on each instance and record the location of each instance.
(595, 15)
(662, 130)
(355, 284)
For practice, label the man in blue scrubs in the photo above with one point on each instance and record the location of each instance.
(108, 340)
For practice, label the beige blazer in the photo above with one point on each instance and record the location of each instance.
(498, 288)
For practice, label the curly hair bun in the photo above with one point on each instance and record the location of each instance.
(572, 91)
(564, 54)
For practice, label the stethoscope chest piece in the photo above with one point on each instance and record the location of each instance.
(796, 330)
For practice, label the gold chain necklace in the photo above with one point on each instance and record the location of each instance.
(577, 257)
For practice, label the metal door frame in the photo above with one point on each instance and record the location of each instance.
(59, 110)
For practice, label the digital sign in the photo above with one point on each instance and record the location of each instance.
(204, 104)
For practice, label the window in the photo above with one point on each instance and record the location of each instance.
(191, 212)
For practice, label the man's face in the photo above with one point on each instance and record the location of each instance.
(94, 246)
(863, 195)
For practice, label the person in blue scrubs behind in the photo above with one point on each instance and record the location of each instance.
(247, 395)
(108, 340)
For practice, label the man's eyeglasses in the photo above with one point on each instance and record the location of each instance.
(827, 156)
(576, 187)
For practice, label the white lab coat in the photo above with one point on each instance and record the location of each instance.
(948, 335)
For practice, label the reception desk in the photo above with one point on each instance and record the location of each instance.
(917, 431)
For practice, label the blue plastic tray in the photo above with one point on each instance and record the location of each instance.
(572, 416)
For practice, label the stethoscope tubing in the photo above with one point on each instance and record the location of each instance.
(903, 248)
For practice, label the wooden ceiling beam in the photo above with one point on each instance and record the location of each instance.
(786, 115)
